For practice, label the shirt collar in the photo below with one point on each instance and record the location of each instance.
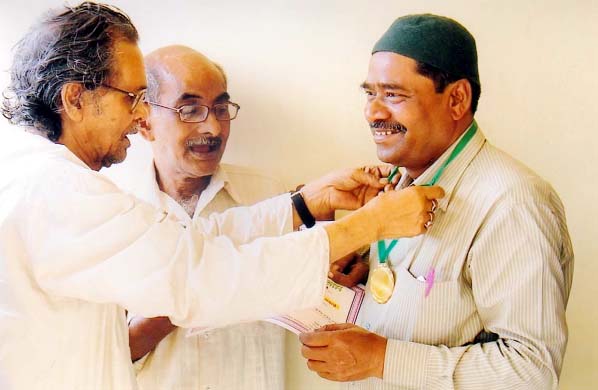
(230, 186)
(453, 172)
(149, 189)
(220, 180)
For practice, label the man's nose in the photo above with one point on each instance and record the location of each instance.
(141, 111)
(211, 125)
(376, 109)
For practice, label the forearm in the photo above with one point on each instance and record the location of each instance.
(350, 233)
(269, 218)
(495, 365)
(146, 333)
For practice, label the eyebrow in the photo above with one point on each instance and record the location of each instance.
(223, 97)
(188, 96)
(366, 85)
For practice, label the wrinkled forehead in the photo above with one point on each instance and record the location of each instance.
(128, 70)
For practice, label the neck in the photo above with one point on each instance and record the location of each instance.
(77, 141)
(460, 128)
(179, 186)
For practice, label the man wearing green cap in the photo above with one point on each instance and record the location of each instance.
(478, 302)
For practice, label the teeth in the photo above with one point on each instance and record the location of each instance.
(201, 142)
(384, 132)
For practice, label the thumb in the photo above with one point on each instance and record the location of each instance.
(433, 192)
(333, 327)
(366, 178)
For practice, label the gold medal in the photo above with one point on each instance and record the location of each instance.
(382, 283)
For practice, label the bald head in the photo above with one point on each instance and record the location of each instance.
(183, 83)
(171, 65)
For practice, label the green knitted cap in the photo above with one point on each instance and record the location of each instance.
(434, 40)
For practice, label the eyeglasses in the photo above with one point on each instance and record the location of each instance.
(196, 113)
(136, 97)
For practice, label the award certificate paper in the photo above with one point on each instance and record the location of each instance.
(341, 305)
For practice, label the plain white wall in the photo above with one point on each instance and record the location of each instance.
(295, 67)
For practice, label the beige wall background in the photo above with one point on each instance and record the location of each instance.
(295, 67)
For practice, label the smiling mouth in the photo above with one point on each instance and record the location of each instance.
(387, 128)
(204, 145)
(387, 132)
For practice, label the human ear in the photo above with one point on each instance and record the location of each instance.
(70, 96)
(460, 98)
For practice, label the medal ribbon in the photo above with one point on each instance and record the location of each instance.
(383, 250)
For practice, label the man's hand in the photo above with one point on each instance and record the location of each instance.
(349, 270)
(344, 352)
(347, 189)
(146, 333)
(392, 214)
(404, 213)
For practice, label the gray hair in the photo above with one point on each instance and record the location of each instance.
(65, 46)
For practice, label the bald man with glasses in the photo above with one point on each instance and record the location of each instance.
(188, 129)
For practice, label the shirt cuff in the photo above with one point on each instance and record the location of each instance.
(405, 364)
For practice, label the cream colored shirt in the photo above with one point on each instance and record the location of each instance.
(246, 356)
(495, 316)
(75, 251)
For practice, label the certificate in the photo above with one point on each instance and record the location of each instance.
(340, 305)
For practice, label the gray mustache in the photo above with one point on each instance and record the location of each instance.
(395, 126)
(209, 141)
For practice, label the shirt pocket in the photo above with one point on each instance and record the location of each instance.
(438, 313)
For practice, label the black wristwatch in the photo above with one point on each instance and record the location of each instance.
(304, 213)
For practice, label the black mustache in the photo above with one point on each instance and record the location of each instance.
(210, 141)
(396, 126)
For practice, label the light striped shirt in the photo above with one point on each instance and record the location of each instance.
(494, 318)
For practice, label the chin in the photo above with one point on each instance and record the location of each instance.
(389, 157)
(207, 169)
(114, 159)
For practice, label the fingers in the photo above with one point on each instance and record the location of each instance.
(380, 171)
(317, 366)
(334, 327)
(366, 178)
(384, 170)
(356, 274)
(341, 264)
(314, 353)
(315, 339)
(340, 278)
(349, 270)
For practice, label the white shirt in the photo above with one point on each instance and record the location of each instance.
(247, 356)
(494, 318)
(75, 250)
